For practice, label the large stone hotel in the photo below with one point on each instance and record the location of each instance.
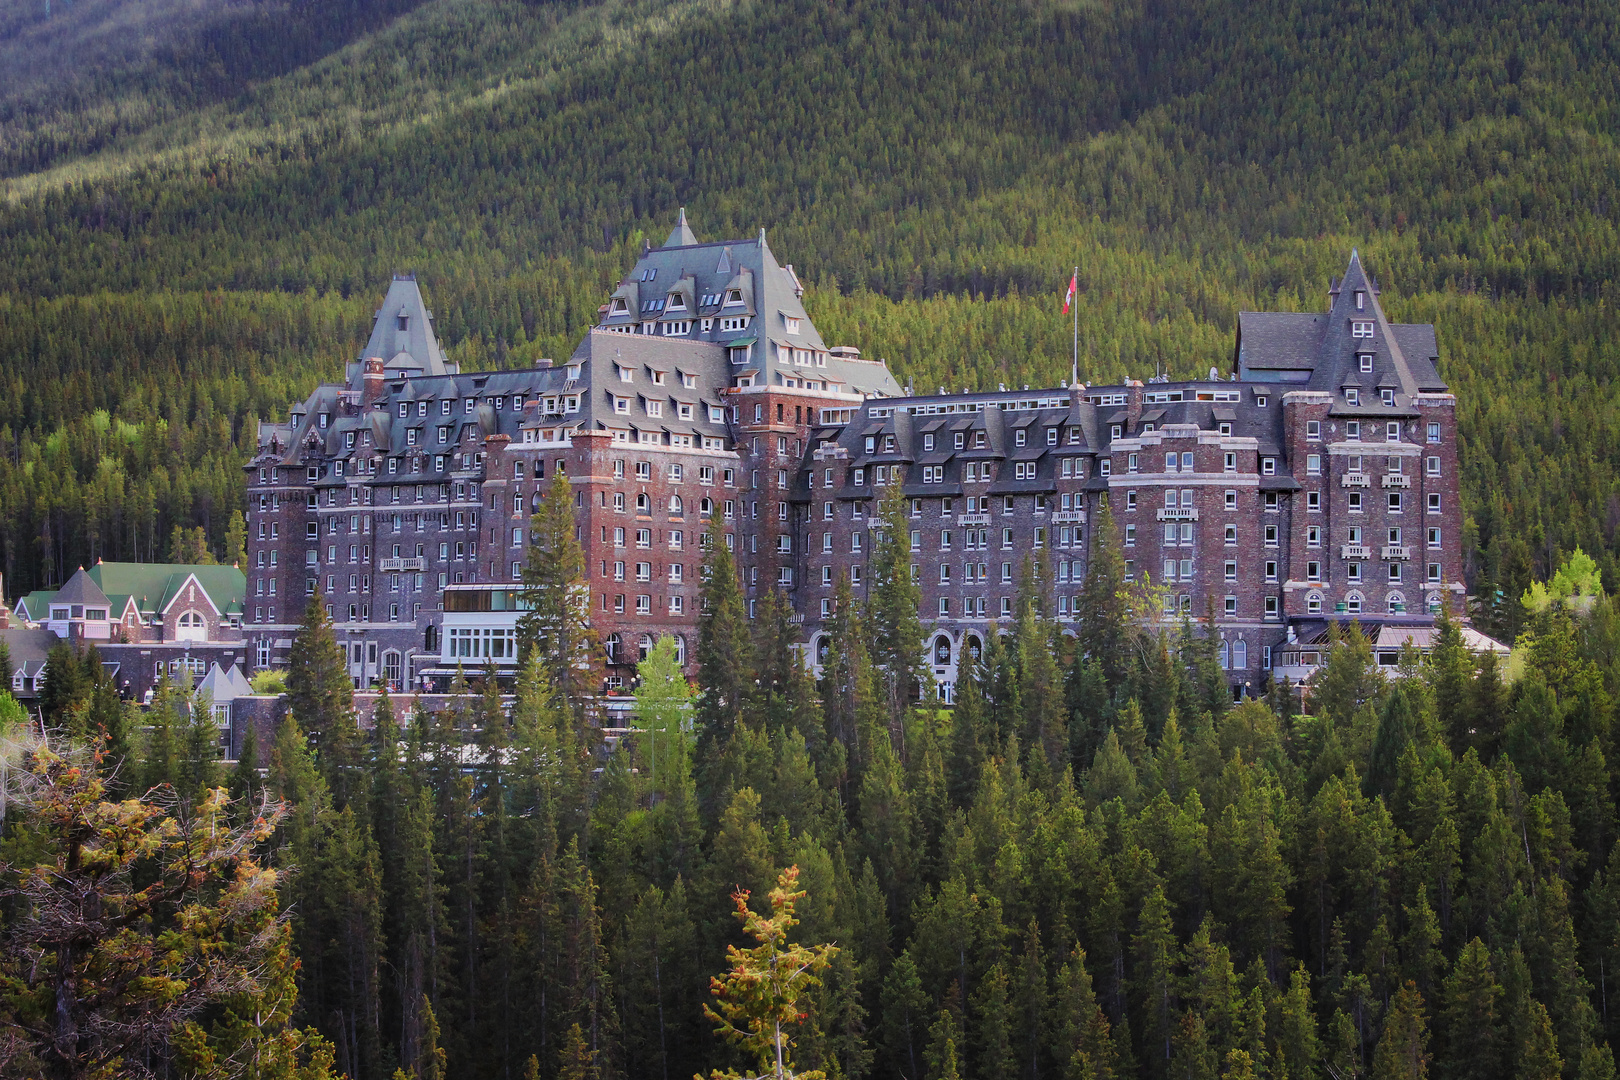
(1315, 480)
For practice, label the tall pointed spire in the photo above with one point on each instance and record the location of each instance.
(681, 235)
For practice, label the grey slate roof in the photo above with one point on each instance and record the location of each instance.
(1321, 351)
(413, 350)
(771, 298)
(80, 589)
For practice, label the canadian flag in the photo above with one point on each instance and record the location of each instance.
(1068, 298)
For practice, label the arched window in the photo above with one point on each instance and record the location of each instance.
(1396, 602)
(192, 626)
(611, 645)
(973, 645)
(1313, 603)
(391, 669)
(1240, 654)
(646, 647)
(675, 504)
(942, 650)
(707, 505)
(1433, 602)
(1226, 655)
(1352, 603)
(680, 649)
(822, 648)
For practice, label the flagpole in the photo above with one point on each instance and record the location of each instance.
(1074, 375)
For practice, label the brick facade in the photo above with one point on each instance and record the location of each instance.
(1306, 486)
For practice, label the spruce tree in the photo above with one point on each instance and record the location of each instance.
(894, 629)
(1469, 1038)
(558, 599)
(1103, 618)
(725, 683)
(320, 694)
(1403, 1049)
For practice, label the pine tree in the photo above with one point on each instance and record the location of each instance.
(1469, 1038)
(990, 1021)
(558, 620)
(236, 540)
(895, 636)
(724, 681)
(1403, 1049)
(904, 1014)
(761, 997)
(965, 754)
(1104, 617)
(320, 694)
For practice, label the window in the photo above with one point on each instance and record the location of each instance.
(1366, 359)
(1355, 502)
(1352, 428)
(1313, 571)
(1434, 433)
(1361, 329)
(1388, 398)
(1313, 464)
(1313, 603)
(1434, 503)
(1271, 570)
(1231, 606)
(1395, 571)
(1313, 501)
(1432, 466)
(1130, 535)
(1231, 500)
(1231, 569)
(1313, 536)
(1352, 396)
(1231, 536)
(1271, 536)
(1395, 502)
(1392, 430)
(1313, 430)
(1434, 538)
(1130, 500)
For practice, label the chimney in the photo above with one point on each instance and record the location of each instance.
(372, 380)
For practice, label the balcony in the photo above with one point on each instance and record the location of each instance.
(1355, 551)
(395, 566)
(1185, 513)
(1069, 517)
(1394, 480)
(1401, 552)
(972, 519)
(1355, 479)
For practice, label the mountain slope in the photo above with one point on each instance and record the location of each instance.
(935, 169)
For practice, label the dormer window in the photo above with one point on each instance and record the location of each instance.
(1361, 300)
(1226, 429)
(677, 302)
(1365, 359)
(928, 441)
(625, 374)
(402, 322)
(658, 378)
(621, 306)
(1389, 398)
(734, 296)
(978, 440)
(1352, 396)
(687, 380)
(1018, 437)
(1361, 329)
(960, 440)
(792, 323)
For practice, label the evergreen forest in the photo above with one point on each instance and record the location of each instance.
(201, 203)
(1093, 867)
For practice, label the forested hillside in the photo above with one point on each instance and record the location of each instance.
(199, 217)
(1088, 869)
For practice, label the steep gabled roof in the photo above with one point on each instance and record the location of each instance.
(153, 586)
(81, 588)
(414, 349)
(681, 235)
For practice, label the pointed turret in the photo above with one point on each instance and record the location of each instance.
(682, 235)
(402, 337)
